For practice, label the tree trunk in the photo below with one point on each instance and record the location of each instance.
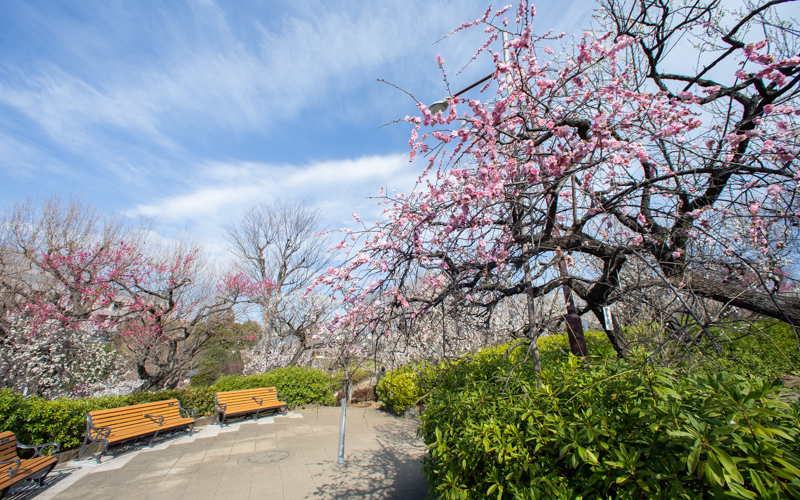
(534, 348)
(577, 341)
(297, 354)
(783, 307)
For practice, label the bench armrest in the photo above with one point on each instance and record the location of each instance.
(12, 470)
(260, 401)
(190, 412)
(40, 448)
(101, 431)
(281, 397)
(159, 417)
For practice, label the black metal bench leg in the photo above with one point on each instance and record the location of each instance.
(83, 448)
(40, 480)
(102, 450)
(150, 444)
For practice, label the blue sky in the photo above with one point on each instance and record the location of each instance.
(186, 111)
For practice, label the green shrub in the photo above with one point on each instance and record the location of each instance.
(763, 347)
(300, 385)
(400, 389)
(200, 399)
(204, 379)
(35, 420)
(605, 429)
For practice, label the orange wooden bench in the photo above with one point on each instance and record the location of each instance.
(237, 403)
(14, 469)
(129, 423)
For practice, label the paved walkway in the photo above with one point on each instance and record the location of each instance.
(289, 457)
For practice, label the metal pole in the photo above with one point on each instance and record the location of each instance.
(444, 333)
(341, 426)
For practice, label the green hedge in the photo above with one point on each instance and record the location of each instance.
(762, 347)
(35, 420)
(752, 348)
(300, 385)
(399, 389)
(598, 428)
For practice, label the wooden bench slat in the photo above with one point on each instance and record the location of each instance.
(250, 400)
(28, 467)
(250, 404)
(124, 434)
(257, 402)
(134, 421)
(236, 403)
(125, 411)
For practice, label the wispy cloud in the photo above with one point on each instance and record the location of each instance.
(215, 74)
(187, 110)
(338, 186)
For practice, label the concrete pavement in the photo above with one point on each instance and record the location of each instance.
(289, 457)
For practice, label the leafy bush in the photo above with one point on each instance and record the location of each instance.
(35, 420)
(300, 385)
(201, 399)
(605, 429)
(401, 388)
(766, 348)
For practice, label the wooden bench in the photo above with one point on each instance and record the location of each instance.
(129, 423)
(237, 403)
(14, 469)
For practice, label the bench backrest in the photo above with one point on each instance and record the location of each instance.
(269, 395)
(8, 446)
(134, 415)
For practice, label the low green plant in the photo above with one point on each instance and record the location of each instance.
(601, 428)
(36, 420)
(400, 389)
(300, 385)
(756, 347)
(407, 385)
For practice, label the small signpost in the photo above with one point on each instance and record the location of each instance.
(345, 387)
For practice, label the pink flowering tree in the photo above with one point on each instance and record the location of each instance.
(177, 304)
(666, 140)
(73, 280)
(60, 263)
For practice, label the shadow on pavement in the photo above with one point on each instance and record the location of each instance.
(28, 489)
(392, 471)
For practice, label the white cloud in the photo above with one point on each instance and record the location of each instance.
(214, 73)
(19, 158)
(136, 104)
(337, 186)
